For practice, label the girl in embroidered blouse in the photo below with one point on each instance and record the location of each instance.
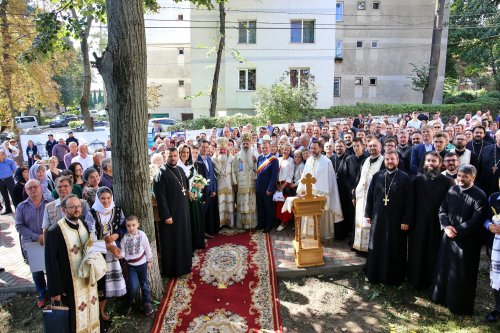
(107, 222)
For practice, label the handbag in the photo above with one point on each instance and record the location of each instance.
(56, 318)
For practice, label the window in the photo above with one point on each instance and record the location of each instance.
(376, 5)
(247, 79)
(359, 43)
(247, 32)
(180, 51)
(302, 31)
(358, 81)
(361, 5)
(373, 81)
(180, 17)
(374, 44)
(299, 76)
(181, 83)
(339, 49)
(339, 11)
(336, 87)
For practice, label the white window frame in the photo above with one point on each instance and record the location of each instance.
(337, 81)
(299, 74)
(370, 81)
(180, 17)
(376, 4)
(374, 44)
(302, 31)
(246, 87)
(339, 17)
(247, 30)
(357, 44)
(361, 5)
(358, 81)
(181, 83)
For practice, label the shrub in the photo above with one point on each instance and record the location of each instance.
(75, 123)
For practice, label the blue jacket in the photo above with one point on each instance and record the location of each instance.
(212, 186)
(417, 157)
(266, 179)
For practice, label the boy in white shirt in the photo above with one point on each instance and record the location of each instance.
(137, 253)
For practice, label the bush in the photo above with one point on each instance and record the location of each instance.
(75, 123)
(218, 122)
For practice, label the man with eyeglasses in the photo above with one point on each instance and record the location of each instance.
(418, 151)
(463, 153)
(29, 226)
(451, 163)
(65, 249)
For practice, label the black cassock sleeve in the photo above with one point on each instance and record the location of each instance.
(480, 207)
(444, 220)
(54, 265)
(370, 197)
(160, 186)
(409, 204)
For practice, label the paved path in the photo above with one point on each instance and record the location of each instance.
(17, 276)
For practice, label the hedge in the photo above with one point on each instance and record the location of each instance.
(341, 111)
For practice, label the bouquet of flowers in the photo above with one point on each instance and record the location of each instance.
(198, 184)
(496, 217)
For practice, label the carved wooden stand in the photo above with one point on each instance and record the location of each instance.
(308, 251)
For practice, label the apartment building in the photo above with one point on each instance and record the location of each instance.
(357, 51)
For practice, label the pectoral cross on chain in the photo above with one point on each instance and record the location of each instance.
(385, 200)
(184, 191)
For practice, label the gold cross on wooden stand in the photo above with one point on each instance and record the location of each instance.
(385, 200)
(308, 181)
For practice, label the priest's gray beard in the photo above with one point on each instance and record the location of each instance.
(431, 173)
(222, 159)
(247, 156)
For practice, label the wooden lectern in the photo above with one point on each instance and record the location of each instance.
(308, 251)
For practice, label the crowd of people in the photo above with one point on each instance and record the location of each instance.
(410, 194)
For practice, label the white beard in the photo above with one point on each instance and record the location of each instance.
(247, 156)
(222, 159)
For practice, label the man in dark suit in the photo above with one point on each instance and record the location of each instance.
(267, 174)
(211, 207)
(418, 151)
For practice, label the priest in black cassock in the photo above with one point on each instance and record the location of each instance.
(389, 210)
(429, 189)
(489, 167)
(171, 190)
(461, 215)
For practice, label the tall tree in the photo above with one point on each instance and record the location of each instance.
(474, 43)
(437, 32)
(70, 81)
(218, 61)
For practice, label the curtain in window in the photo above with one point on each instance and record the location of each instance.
(308, 29)
(339, 11)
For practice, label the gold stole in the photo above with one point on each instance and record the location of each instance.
(86, 299)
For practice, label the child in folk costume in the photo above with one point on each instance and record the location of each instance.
(136, 251)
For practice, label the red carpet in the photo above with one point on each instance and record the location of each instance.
(232, 288)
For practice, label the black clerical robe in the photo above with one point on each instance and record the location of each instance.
(170, 187)
(457, 263)
(487, 179)
(477, 150)
(405, 156)
(425, 232)
(386, 261)
(57, 266)
(343, 227)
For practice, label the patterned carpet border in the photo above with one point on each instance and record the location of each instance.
(261, 314)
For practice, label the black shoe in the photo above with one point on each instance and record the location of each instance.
(7, 212)
(493, 316)
(109, 321)
(259, 227)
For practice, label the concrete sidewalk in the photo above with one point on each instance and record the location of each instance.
(17, 275)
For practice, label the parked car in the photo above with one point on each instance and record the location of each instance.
(62, 121)
(24, 122)
(83, 128)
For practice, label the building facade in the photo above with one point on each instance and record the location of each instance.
(357, 51)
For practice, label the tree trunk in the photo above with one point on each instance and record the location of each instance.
(220, 50)
(7, 63)
(123, 68)
(437, 32)
(87, 76)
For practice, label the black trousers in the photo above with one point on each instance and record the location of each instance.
(6, 188)
(265, 210)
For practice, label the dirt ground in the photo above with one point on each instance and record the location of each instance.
(342, 303)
